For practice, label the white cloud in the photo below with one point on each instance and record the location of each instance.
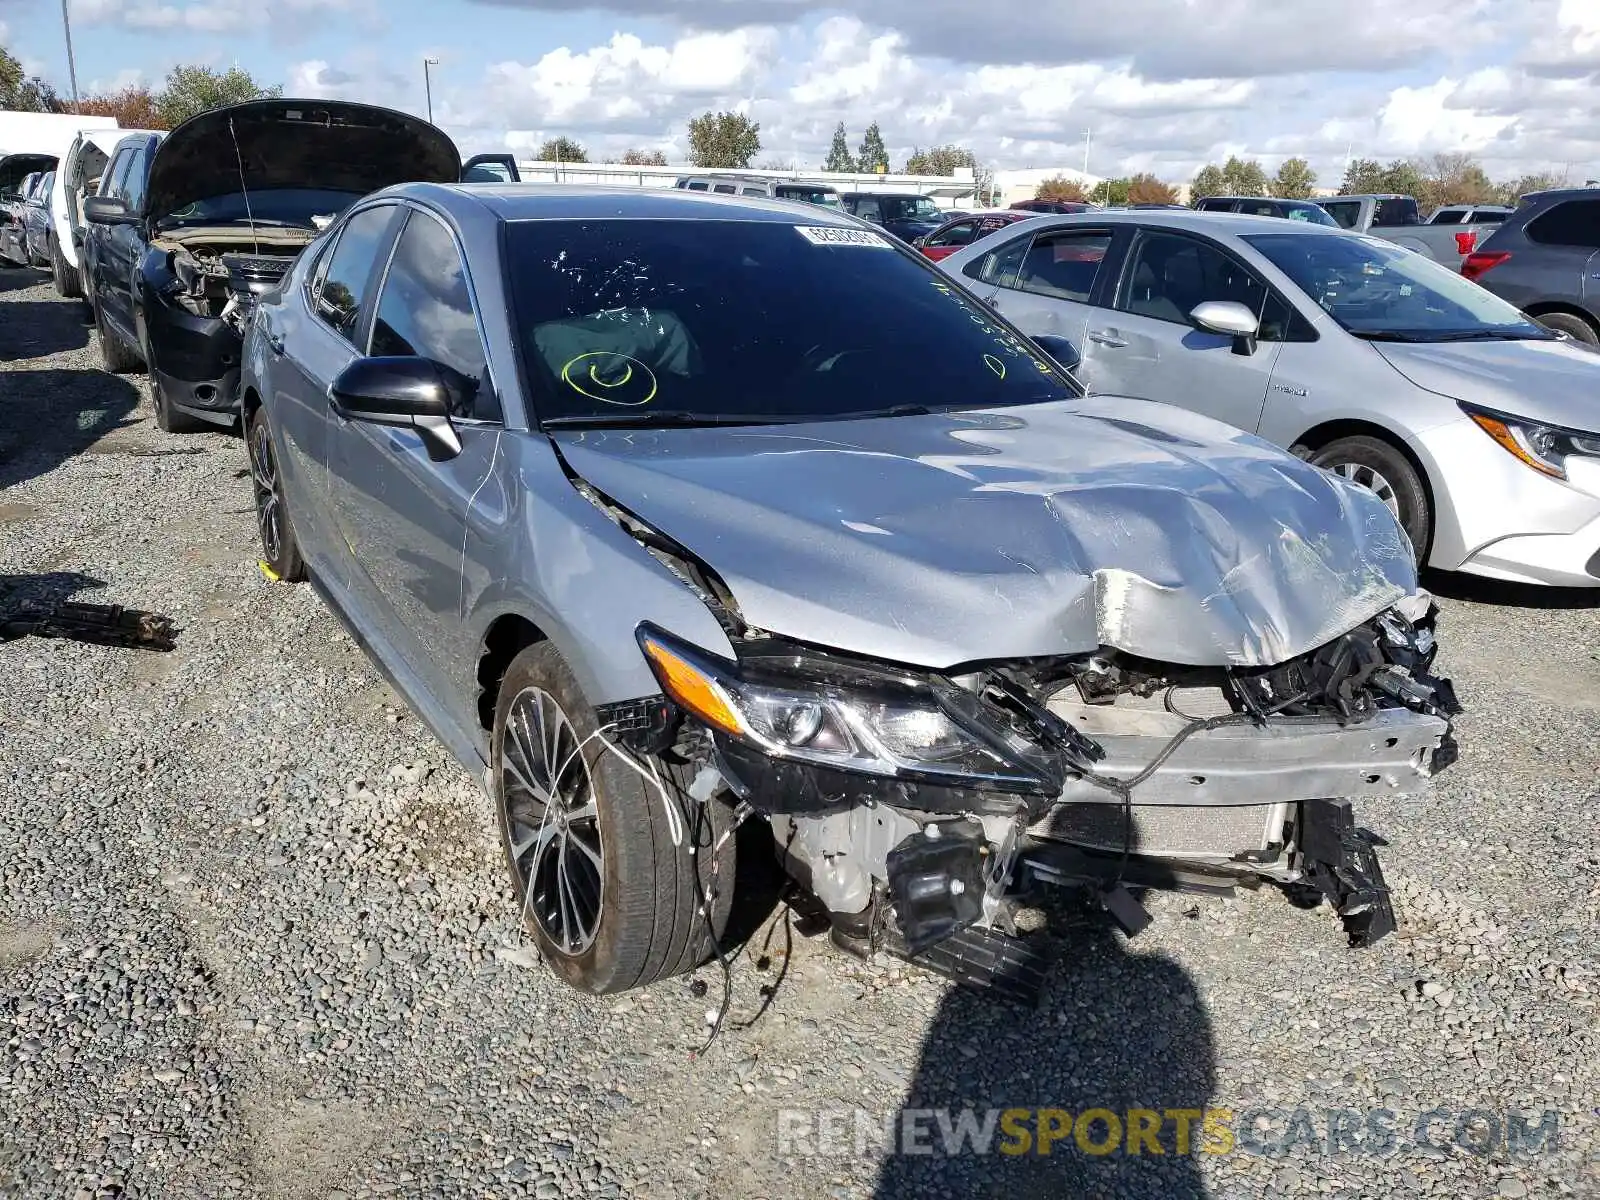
(1164, 85)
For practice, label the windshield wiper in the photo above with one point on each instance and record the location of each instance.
(1385, 335)
(894, 410)
(1492, 335)
(663, 418)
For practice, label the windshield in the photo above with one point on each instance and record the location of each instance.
(826, 197)
(655, 321)
(911, 208)
(1377, 289)
(309, 207)
(1309, 212)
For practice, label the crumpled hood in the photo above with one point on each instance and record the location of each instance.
(326, 144)
(1554, 382)
(1010, 533)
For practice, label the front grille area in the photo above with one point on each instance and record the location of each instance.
(1168, 831)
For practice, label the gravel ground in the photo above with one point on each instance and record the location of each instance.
(255, 938)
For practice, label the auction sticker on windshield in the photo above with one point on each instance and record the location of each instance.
(828, 235)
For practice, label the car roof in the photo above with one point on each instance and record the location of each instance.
(1569, 193)
(566, 201)
(1234, 224)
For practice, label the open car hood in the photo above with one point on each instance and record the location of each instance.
(324, 144)
(1012, 533)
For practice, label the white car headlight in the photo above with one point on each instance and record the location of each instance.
(1545, 448)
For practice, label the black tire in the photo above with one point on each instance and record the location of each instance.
(168, 418)
(119, 358)
(280, 549)
(1371, 462)
(645, 894)
(1573, 325)
(68, 285)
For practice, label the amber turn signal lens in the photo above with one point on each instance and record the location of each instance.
(1501, 433)
(692, 688)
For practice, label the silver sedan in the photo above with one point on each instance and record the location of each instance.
(1479, 428)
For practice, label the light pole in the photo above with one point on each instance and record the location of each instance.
(427, 84)
(72, 66)
(1088, 136)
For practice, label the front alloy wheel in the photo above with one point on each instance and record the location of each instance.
(553, 822)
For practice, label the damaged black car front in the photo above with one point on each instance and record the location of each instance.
(229, 200)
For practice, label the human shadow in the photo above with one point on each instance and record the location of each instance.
(46, 587)
(1120, 1032)
(47, 417)
(38, 328)
(1453, 585)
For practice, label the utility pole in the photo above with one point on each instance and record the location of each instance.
(427, 83)
(1088, 136)
(72, 66)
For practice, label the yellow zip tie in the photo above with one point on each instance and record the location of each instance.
(268, 573)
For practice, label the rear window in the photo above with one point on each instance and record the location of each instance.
(1395, 210)
(766, 320)
(1345, 213)
(1492, 217)
(1449, 216)
(824, 196)
(1569, 223)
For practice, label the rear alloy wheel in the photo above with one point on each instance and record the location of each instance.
(279, 550)
(1377, 466)
(611, 900)
(1573, 326)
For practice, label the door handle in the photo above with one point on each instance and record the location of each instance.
(1106, 337)
(274, 343)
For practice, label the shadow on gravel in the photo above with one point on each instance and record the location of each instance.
(51, 587)
(47, 417)
(1455, 586)
(14, 279)
(37, 328)
(1118, 1032)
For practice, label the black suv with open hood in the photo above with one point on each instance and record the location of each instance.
(187, 231)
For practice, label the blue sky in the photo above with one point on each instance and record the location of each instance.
(1165, 84)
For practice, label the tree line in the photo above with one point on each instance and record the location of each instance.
(186, 92)
(1434, 180)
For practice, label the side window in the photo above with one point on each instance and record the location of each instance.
(1064, 265)
(1214, 204)
(868, 210)
(988, 225)
(339, 294)
(959, 234)
(425, 309)
(753, 191)
(1168, 276)
(1346, 212)
(1569, 223)
(1449, 216)
(1258, 208)
(723, 189)
(1000, 266)
(696, 185)
(111, 183)
(133, 185)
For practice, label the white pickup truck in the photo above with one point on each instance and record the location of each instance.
(1396, 219)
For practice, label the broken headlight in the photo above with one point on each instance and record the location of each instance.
(876, 723)
(1545, 448)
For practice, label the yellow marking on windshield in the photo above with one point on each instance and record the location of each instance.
(601, 363)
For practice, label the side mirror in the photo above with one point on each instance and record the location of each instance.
(1059, 350)
(403, 392)
(1231, 318)
(107, 210)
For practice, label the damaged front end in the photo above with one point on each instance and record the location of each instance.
(918, 807)
(198, 291)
